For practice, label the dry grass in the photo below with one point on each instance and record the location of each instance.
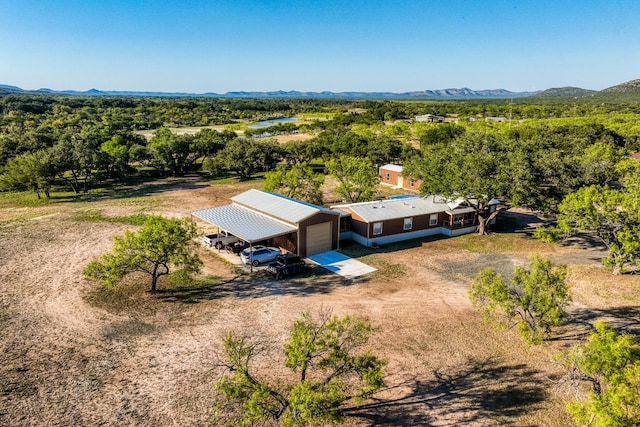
(73, 353)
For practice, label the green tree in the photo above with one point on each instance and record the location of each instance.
(173, 154)
(598, 162)
(208, 142)
(116, 157)
(299, 182)
(476, 167)
(439, 134)
(610, 363)
(331, 366)
(31, 171)
(159, 245)
(357, 178)
(74, 161)
(534, 299)
(245, 157)
(302, 151)
(612, 216)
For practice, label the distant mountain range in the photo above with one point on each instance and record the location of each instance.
(628, 91)
(464, 93)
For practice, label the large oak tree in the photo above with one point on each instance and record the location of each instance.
(475, 166)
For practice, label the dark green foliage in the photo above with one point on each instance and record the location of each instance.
(441, 133)
(332, 370)
(30, 171)
(247, 156)
(611, 215)
(475, 166)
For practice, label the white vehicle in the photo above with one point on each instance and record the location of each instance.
(259, 255)
(219, 240)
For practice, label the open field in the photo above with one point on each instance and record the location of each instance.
(73, 353)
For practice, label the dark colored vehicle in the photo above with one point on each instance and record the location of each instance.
(236, 247)
(286, 265)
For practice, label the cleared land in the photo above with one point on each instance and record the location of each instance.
(72, 353)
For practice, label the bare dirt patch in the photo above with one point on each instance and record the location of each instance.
(66, 360)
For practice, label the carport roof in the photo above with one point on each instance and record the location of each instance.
(244, 223)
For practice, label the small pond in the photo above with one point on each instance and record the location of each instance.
(271, 122)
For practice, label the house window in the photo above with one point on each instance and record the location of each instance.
(387, 176)
(433, 220)
(408, 224)
(457, 218)
(377, 228)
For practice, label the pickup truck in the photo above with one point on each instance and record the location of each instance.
(219, 240)
(286, 265)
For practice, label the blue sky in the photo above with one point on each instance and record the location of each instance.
(219, 46)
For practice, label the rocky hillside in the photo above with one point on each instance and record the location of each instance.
(564, 92)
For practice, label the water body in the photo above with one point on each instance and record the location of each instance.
(271, 122)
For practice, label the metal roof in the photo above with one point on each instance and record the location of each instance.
(392, 167)
(279, 206)
(244, 223)
(403, 208)
(460, 211)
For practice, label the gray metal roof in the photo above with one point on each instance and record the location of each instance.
(279, 206)
(392, 167)
(401, 208)
(244, 223)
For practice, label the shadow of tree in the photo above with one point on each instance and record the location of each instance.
(478, 392)
(138, 186)
(624, 319)
(315, 281)
(518, 222)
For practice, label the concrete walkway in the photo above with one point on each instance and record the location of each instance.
(341, 264)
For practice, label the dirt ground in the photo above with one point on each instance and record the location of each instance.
(70, 358)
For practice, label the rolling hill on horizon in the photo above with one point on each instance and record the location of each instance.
(451, 93)
(628, 91)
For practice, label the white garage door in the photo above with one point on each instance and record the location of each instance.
(319, 238)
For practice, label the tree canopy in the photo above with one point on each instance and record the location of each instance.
(534, 299)
(159, 245)
(245, 157)
(299, 181)
(610, 363)
(357, 178)
(474, 166)
(331, 366)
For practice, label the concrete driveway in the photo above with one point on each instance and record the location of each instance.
(341, 264)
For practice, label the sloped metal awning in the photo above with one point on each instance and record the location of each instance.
(460, 211)
(244, 223)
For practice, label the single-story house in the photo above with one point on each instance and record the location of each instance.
(295, 226)
(430, 118)
(392, 175)
(498, 119)
(393, 220)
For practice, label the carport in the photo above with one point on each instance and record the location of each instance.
(244, 223)
(294, 225)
